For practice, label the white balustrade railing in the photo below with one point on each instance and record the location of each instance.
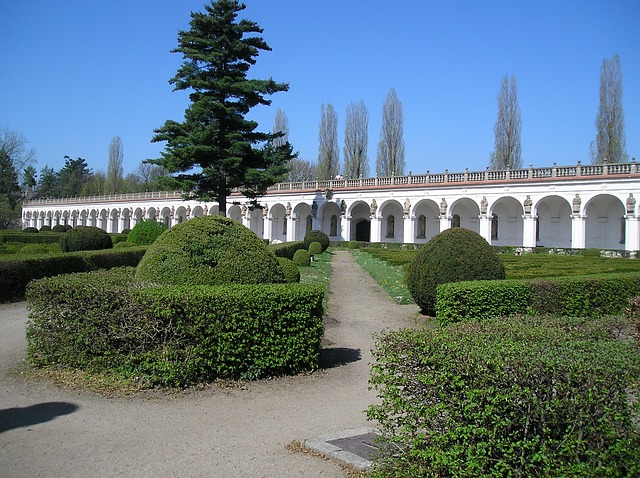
(411, 180)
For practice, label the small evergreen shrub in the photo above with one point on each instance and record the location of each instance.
(286, 249)
(31, 230)
(453, 255)
(45, 229)
(68, 227)
(146, 232)
(85, 238)
(316, 236)
(315, 248)
(301, 258)
(123, 244)
(59, 228)
(126, 230)
(524, 396)
(290, 270)
(209, 250)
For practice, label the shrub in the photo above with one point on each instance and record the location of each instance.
(315, 248)
(38, 249)
(146, 232)
(31, 230)
(508, 397)
(45, 229)
(316, 236)
(453, 255)
(301, 258)
(120, 245)
(85, 238)
(174, 336)
(286, 249)
(209, 250)
(16, 273)
(126, 230)
(59, 228)
(68, 227)
(290, 270)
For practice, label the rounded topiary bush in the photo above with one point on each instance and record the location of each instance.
(209, 250)
(59, 228)
(85, 238)
(454, 255)
(38, 249)
(316, 236)
(45, 229)
(301, 258)
(68, 227)
(146, 232)
(315, 248)
(31, 230)
(123, 244)
(290, 270)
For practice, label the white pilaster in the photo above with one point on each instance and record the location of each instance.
(376, 229)
(578, 229)
(528, 231)
(485, 227)
(632, 233)
(409, 230)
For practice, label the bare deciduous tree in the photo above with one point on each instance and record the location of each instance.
(302, 170)
(356, 141)
(328, 151)
(14, 147)
(281, 125)
(507, 151)
(610, 140)
(390, 159)
(114, 166)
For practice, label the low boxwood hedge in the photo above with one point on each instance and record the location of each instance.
(173, 335)
(583, 296)
(523, 396)
(17, 271)
(286, 249)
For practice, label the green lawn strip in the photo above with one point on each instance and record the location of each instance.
(390, 277)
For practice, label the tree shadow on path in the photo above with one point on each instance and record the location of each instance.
(338, 356)
(42, 412)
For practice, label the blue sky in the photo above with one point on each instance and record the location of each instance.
(76, 73)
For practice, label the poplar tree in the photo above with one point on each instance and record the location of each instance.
(216, 149)
(114, 166)
(610, 139)
(356, 141)
(328, 152)
(507, 151)
(390, 159)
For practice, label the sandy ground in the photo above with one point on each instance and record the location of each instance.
(48, 431)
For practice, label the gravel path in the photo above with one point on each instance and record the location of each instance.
(48, 431)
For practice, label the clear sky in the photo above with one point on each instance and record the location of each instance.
(76, 73)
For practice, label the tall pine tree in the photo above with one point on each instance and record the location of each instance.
(215, 149)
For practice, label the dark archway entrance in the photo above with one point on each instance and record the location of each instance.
(363, 231)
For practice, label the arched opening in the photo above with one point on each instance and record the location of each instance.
(363, 230)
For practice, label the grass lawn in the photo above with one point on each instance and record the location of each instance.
(386, 266)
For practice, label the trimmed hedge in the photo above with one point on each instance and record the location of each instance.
(301, 258)
(290, 270)
(315, 248)
(507, 397)
(146, 232)
(454, 255)
(209, 250)
(580, 296)
(17, 272)
(316, 236)
(59, 228)
(30, 238)
(85, 238)
(173, 335)
(286, 249)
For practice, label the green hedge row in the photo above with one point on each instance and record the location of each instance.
(286, 249)
(30, 238)
(578, 296)
(518, 397)
(16, 272)
(174, 336)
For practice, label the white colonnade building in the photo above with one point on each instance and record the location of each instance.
(573, 207)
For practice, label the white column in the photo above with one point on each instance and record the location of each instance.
(267, 228)
(121, 222)
(528, 231)
(409, 229)
(346, 228)
(376, 229)
(485, 227)
(246, 220)
(445, 223)
(631, 233)
(291, 225)
(578, 229)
